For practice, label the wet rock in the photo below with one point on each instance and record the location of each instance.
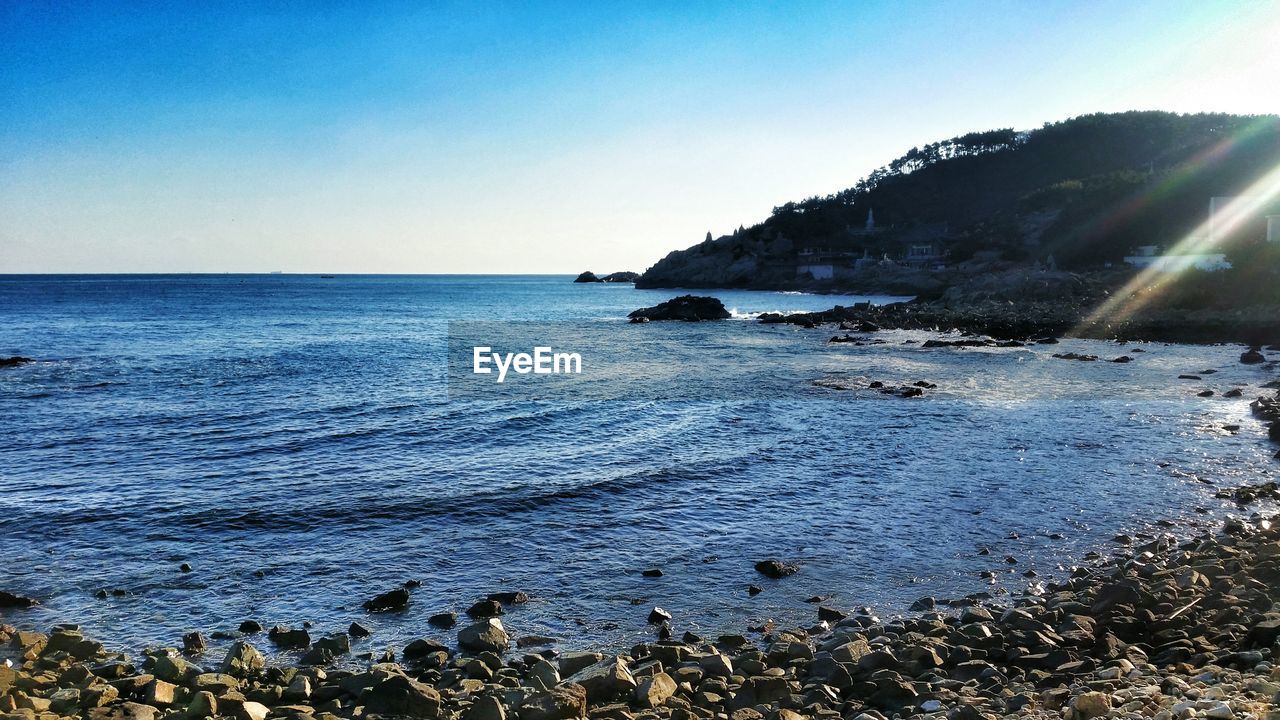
(10, 600)
(14, 361)
(249, 627)
(1253, 356)
(485, 609)
(657, 616)
(688, 308)
(443, 620)
(422, 647)
(924, 604)
(356, 630)
(397, 599)
(652, 573)
(565, 701)
(193, 643)
(1075, 356)
(775, 569)
(184, 568)
(401, 696)
(288, 638)
(517, 597)
(573, 662)
(587, 277)
(754, 590)
(487, 635)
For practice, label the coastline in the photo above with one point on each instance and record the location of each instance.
(1029, 320)
(1159, 629)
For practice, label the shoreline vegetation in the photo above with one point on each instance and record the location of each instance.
(1159, 629)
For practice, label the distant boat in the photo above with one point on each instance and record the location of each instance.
(277, 272)
(326, 277)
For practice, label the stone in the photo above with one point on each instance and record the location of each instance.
(160, 693)
(657, 616)
(573, 662)
(193, 643)
(443, 620)
(1090, 705)
(299, 690)
(654, 690)
(605, 680)
(517, 597)
(688, 308)
(356, 630)
(288, 638)
(250, 710)
(174, 669)
(243, 660)
(1252, 356)
(486, 707)
(203, 704)
(487, 635)
(399, 695)
(587, 277)
(564, 701)
(485, 609)
(397, 599)
(775, 569)
(249, 627)
(11, 600)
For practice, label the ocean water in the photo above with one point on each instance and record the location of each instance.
(306, 443)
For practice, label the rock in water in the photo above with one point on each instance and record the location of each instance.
(625, 276)
(562, 702)
(587, 277)
(688, 308)
(398, 695)
(9, 600)
(443, 620)
(397, 599)
(485, 609)
(488, 635)
(775, 569)
(1252, 356)
(14, 361)
(657, 616)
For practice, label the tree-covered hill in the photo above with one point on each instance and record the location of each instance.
(1078, 194)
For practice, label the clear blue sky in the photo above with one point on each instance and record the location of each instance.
(534, 137)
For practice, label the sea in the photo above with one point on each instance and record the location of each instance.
(303, 443)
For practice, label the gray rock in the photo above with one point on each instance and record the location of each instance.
(564, 701)
(487, 635)
(399, 695)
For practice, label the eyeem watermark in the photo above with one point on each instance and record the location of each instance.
(543, 361)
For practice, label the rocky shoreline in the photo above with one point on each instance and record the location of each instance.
(1037, 319)
(1161, 629)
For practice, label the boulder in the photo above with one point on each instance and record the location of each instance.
(587, 277)
(605, 680)
(401, 696)
(14, 361)
(397, 599)
(1252, 356)
(688, 308)
(243, 660)
(10, 600)
(1090, 705)
(564, 701)
(487, 635)
(485, 609)
(654, 690)
(486, 707)
(624, 276)
(443, 620)
(775, 569)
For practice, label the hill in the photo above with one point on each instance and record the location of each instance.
(1077, 195)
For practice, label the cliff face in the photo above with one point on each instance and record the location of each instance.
(1075, 195)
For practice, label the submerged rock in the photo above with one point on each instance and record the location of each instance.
(14, 361)
(775, 569)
